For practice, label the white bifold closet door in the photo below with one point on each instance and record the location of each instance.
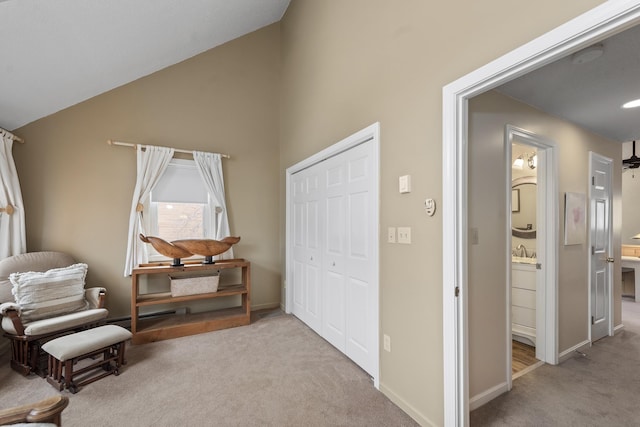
(334, 238)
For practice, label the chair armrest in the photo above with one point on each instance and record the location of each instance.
(45, 411)
(95, 296)
(12, 311)
(6, 306)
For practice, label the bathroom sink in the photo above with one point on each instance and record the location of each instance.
(523, 260)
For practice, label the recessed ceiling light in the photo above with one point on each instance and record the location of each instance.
(588, 54)
(632, 104)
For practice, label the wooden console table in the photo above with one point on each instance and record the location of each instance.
(172, 326)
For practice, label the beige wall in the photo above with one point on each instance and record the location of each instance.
(488, 261)
(347, 64)
(77, 190)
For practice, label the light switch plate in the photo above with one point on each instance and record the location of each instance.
(404, 184)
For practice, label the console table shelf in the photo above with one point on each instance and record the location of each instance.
(165, 327)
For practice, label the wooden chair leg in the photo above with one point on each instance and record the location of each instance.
(19, 357)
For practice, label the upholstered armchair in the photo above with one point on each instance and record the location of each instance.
(43, 296)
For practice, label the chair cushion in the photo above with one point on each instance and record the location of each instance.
(31, 261)
(52, 293)
(55, 324)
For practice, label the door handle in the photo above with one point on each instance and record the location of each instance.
(609, 259)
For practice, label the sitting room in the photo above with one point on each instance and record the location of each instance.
(264, 212)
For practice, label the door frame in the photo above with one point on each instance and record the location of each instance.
(597, 157)
(547, 230)
(369, 134)
(597, 24)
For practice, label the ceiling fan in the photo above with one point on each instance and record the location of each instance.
(632, 162)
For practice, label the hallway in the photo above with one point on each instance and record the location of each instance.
(596, 390)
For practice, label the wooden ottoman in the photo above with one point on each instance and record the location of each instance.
(65, 352)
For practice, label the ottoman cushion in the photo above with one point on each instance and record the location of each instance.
(84, 342)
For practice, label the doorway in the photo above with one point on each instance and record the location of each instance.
(582, 31)
(531, 283)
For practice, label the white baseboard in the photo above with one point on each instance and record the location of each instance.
(618, 328)
(488, 395)
(267, 305)
(569, 353)
(406, 407)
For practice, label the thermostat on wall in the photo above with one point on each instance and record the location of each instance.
(430, 206)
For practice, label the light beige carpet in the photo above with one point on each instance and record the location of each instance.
(275, 372)
(600, 389)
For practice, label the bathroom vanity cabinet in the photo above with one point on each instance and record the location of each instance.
(523, 302)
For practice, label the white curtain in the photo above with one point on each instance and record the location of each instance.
(13, 240)
(151, 164)
(210, 168)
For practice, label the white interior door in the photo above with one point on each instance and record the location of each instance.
(333, 247)
(335, 254)
(600, 272)
(307, 233)
(351, 254)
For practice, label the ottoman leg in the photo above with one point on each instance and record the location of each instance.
(54, 376)
(121, 359)
(68, 376)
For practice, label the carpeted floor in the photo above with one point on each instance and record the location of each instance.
(600, 389)
(275, 372)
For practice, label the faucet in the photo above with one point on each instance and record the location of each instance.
(521, 251)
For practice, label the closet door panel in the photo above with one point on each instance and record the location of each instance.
(307, 286)
(360, 263)
(314, 232)
(333, 257)
(299, 244)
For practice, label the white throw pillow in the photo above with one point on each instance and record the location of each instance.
(52, 293)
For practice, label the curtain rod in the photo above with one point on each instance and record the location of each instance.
(177, 150)
(14, 137)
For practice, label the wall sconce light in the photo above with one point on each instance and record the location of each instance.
(518, 163)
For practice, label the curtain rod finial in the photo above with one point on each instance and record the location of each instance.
(109, 141)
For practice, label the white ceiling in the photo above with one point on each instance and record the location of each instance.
(590, 94)
(54, 54)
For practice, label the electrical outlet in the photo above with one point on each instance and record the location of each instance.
(391, 235)
(387, 343)
(404, 235)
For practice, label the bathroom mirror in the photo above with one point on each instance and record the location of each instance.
(523, 207)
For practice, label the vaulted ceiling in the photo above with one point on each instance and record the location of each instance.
(54, 54)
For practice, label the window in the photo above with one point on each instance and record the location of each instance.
(179, 206)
